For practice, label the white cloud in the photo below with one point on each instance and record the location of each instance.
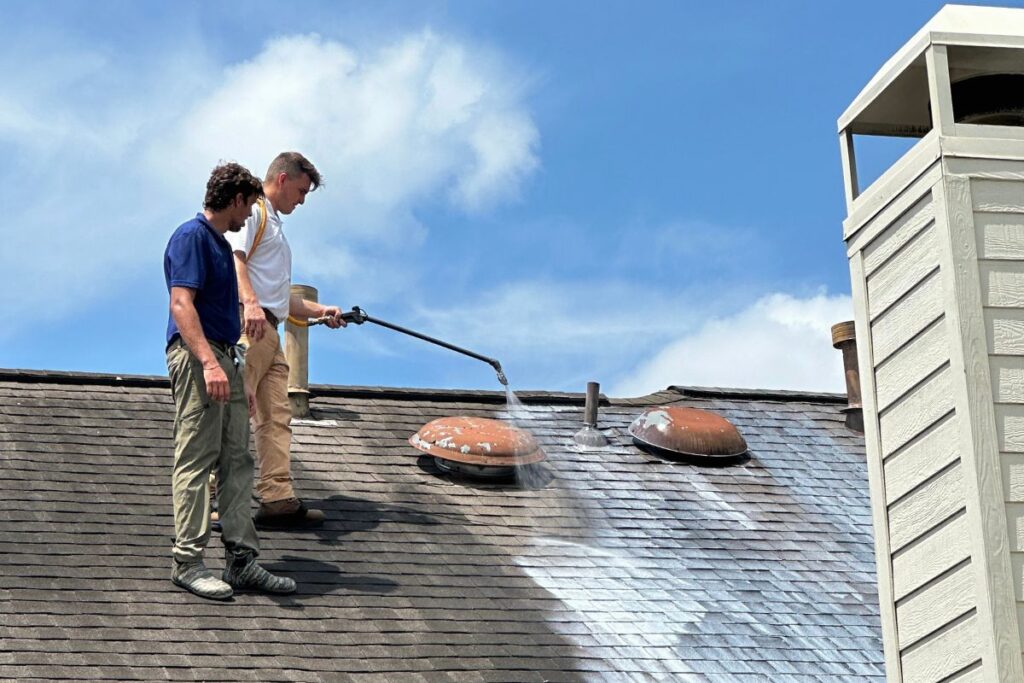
(558, 317)
(108, 153)
(780, 342)
(503, 151)
(420, 119)
(637, 339)
(556, 334)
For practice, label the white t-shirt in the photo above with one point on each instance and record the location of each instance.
(270, 267)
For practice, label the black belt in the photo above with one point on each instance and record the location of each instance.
(271, 318)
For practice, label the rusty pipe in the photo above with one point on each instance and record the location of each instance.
(296, 350)
(844, 338)
(590, 436)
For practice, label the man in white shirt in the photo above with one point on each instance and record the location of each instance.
(263, 264)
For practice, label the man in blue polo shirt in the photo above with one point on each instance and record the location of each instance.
(211, 422)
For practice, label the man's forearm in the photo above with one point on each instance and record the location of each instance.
(183, 309)
(303, 308)
(246, 293)
(187, 319)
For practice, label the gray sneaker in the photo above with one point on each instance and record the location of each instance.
(196, 578)
(243, 571)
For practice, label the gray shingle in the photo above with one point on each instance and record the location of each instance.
(619, 566)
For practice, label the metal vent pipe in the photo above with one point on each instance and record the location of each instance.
(296, 351)
(590, 436)
(844, 338)
(590, 407)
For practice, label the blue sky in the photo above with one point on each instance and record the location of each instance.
(642, 194)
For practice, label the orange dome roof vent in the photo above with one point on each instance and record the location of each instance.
(477, 446)
(688, 431)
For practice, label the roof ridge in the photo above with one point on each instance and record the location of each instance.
(336, 390)
(407, 393)
(482, 395)
(79, 377)
(769, 394)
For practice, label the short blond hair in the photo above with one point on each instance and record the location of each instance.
(293, 164)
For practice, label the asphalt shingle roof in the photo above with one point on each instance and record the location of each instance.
(610, 565)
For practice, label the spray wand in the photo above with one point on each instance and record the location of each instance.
(359, 316)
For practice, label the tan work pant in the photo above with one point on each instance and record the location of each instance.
(266, 372)
(209, 436)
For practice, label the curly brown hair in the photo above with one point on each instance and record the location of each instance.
(226, 182)
(293, 164)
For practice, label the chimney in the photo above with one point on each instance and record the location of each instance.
(844, 338)
(296, 351)
(936, 252)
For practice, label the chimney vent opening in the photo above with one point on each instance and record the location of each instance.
(990, 99)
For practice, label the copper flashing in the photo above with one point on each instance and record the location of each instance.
(688, 431)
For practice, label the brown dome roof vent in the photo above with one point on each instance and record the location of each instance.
(477, 446)
(687, 431)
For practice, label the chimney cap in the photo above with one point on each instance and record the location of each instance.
(843, 332)
(895, 100)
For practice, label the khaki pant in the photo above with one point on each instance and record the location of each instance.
(266, 372)
(209, 436)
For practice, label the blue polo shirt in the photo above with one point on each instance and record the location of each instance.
(198, 257)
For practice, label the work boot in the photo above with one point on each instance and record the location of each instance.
(288, 513)
(196, 578)
(242, 571)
